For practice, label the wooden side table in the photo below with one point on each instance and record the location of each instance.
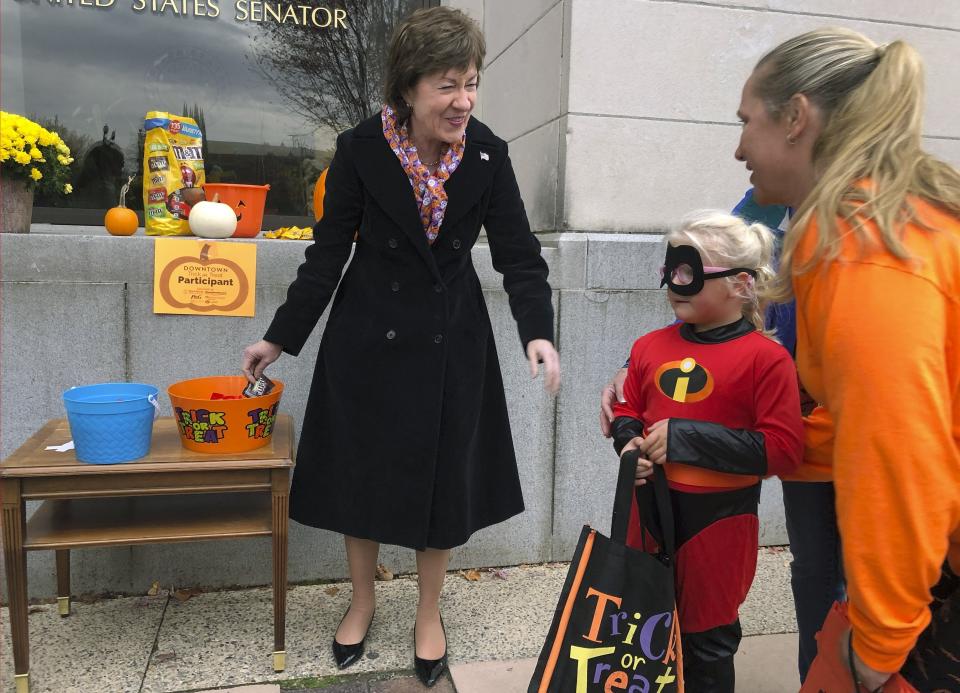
(170, 495)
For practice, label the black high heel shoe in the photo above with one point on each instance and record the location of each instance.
(429, 670)
(345, 655)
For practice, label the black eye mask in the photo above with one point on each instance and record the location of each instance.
(680, 255)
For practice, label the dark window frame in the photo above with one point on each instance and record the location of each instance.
(77, 216)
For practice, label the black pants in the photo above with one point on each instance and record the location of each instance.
(934, 663)
(816, 573)
(708, 659)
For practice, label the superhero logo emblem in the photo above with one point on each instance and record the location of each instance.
(684, 381)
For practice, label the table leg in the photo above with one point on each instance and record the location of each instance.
(63, 581)
(15, 558)
(281, 501)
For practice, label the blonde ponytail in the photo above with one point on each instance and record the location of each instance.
(869, 158)
(755, 302)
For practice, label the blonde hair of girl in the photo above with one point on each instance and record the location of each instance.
(724, 240)
(871, 99)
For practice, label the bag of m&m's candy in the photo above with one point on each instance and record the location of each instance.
(173, 174)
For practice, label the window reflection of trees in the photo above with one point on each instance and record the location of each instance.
(80, 145)
(332, 78)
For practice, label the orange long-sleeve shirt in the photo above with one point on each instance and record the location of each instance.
(817, 448)
(879, 346)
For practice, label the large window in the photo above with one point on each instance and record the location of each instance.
(270, 82)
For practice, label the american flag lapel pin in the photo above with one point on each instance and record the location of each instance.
(484, 156)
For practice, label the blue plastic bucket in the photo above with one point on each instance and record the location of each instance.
(111, 422)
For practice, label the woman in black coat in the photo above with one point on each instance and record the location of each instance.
(405, 437)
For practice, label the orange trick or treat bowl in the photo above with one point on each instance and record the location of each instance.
(213, 417)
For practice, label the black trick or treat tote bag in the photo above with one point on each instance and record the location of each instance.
(615, 626)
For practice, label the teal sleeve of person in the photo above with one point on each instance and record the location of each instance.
(770, 216)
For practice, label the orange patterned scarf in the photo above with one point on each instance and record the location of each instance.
(427, 187)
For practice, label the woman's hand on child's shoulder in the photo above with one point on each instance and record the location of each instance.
(655, 444)
(609, 396)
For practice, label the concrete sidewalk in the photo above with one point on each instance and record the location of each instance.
(216, 640)
(758, 671)
(763, 666)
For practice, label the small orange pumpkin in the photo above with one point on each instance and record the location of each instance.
(319, 190)
(119, 220)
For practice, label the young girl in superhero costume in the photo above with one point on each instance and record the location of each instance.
(715, 400)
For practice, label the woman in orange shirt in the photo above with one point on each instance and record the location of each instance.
(832, 126)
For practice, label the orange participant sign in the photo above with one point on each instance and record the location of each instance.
(204, 277)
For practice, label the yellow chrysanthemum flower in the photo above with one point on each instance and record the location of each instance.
(22, 142)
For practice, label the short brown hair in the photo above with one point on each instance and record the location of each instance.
(430, 40)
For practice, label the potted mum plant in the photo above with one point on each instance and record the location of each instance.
(31, 157)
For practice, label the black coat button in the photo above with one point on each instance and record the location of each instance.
(438, 288)
(456, 244)
(395, 286)
(392, 243)
(391, 334)
(438, 339)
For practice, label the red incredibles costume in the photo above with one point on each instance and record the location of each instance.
(732, 399)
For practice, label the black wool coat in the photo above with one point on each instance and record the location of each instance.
(405, 438)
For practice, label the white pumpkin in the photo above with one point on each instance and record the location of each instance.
(212, 219)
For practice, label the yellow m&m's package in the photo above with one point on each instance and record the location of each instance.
(173, 174)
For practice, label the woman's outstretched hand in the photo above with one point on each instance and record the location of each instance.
(257, 357)
(541, 350)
